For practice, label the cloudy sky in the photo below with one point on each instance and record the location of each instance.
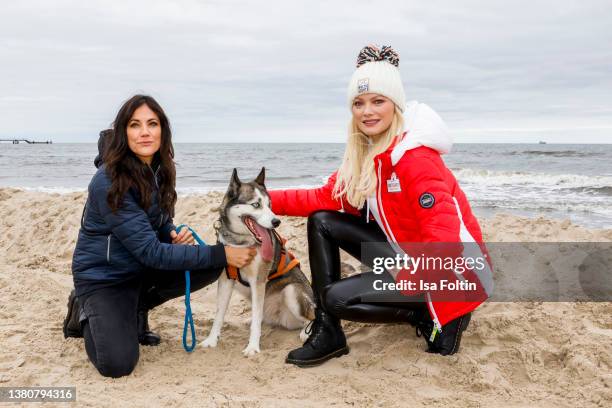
(277, 71)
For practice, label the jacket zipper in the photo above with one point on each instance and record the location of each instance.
(155, 176)
(381, 211)
(108, 241)
(390, 236)
(161, 218)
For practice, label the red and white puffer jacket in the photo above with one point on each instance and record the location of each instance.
(417, 200)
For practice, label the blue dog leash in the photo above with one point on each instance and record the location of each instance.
(188, 314)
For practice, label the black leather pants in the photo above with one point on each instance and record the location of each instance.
(353, 298)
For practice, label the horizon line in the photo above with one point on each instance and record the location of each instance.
(316, 143)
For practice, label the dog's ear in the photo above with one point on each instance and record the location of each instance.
(234, 185)
(260, 179)
(235, 178)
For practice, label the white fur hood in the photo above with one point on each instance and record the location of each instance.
(425, 128)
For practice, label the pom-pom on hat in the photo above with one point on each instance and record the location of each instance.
(377, 72)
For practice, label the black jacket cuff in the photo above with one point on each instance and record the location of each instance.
(217, 252)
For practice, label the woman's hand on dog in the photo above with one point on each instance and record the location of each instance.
(185, 237)
(239, 256)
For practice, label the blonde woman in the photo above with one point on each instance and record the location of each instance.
(391, 188)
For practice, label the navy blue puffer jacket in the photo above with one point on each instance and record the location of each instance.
(118, 246)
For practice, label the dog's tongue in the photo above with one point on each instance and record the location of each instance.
(266, 242)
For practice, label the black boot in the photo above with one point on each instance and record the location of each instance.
(447, 341)
(145, 336)
(72, 326)
(325, 342)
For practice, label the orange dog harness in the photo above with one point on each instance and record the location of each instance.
(286, 261)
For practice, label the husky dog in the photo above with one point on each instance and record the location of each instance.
(247, 220)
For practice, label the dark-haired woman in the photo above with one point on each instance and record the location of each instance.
(128, 257)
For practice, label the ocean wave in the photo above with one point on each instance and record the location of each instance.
(605, 190)
(554, 153)
(186, 191)
(326, 159)
(216, 180)
(49, 189)
(287, 178)
(521, 178)
(545, 205)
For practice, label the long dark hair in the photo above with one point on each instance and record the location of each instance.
(128, 171)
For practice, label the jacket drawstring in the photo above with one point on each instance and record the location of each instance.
(370, 143)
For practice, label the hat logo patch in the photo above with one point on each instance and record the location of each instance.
(427, 200)
(363, 85)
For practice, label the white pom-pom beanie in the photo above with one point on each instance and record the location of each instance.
(377, 72)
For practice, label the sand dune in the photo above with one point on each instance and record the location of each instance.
(513, 354)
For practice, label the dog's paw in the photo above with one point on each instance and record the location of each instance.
(250, 350)
(210, 341)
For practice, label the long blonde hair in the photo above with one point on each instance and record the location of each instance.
(356, 178)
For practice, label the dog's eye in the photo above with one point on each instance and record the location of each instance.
(256, 205)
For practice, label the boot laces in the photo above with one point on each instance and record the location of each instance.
(314, 330)
(424, 329)
(308, 328)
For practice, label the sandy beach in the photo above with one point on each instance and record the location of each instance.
(513, 354)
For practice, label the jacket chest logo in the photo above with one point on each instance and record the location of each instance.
(393, 184)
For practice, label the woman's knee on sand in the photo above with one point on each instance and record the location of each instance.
(114, 356)
(117, 365)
